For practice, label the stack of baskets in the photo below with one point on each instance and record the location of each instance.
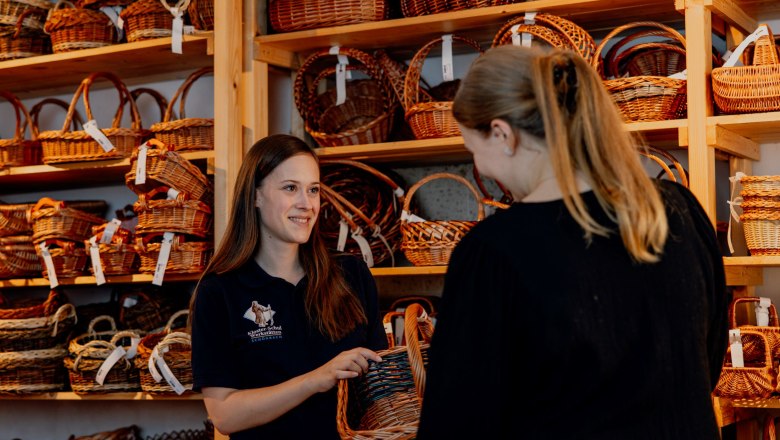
(23, 37)
(761, 214)
(116, 249)
(174, 197)
(73, 28)
(32, 345)
(164, 360)
(185, 133)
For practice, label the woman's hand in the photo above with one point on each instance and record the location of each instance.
(346, 365)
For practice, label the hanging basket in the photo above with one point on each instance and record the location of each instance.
(79, 146)
(185, 257)
(430, 243)
(19, 151)
(75, 28)
(298, 15)
(553, 30)
(52, 219)
(179, 215)
(171, 347)
(185, 133)
(22, 42)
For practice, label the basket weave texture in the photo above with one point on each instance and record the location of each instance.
(756, 379)
(19, 151)
(52, 219)
(78, 146)
(32, 13)
(18, 258)
(179, 215)
(174, 347)
(555, 31)
(185, 133)
(75, 28)
(201, 14)
(761, 214)
(118, 257)
(752, 351)
(298, 15)
(186, 256)
(414, 8)
(68, 257)
(22, 42)
(430, 243)
(147, 19)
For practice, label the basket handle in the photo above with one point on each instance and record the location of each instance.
(21, 111)
(182, 92)
(455, 177)
(341, 203)
(159, 99)
(406, 300)
(124, 97)
(774, 321)
(399, 192)
(98, 319)
(770, 430)
(45, 202)
(488, 199)
(20, 22)
(614, 54)
(124, 334)
(598, 63)
(654, 153)
(174, 317)
(765, 52)
(417, 324)
(36, 111)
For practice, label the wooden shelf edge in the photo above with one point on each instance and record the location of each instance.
(408, 271)
(65, 395)
(756, 261)
(90, 280)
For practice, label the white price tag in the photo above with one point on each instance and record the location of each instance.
(447, 70)
(140, 165)
(734, 58)
(526, 39)
(97, 266)
(762, 312)
(515, 35)
(411, 218)
(169, 377)
(113, 14)
(110, 230)
(152, 367)
(365, 248)
(162, 259)
(129, 301)
(49, 265)
(105, 367)
(343, 232)
(177, 31)
(133, 350)
(172, 193)
(94, 132)
(735, 342)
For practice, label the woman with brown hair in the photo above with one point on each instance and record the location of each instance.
(276, 320)
(594, 306)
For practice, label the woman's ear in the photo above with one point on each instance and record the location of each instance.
(258, 199)
(503, 132)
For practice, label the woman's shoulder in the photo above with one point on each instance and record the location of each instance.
(350, 263)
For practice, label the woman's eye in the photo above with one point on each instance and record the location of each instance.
(290, 188)
(315, 190)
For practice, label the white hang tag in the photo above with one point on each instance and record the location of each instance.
(97, 265)
(734, 58)
(130, 301)
(529, 19)
(343, 59)
(177, 31)
(105, 367)
(49, 265)
(112, 12)
(726, 55)
(735, 342)
(762, 312)
(172, 193)
(162, 259)
(388, 328)
(526, 39)
(515, 35)
(152, 367)
(343, 232)
(169, 377)
(732, 204)
(189, 29)
(365, 248)
(133, 350)
(94, 132)
(679, 75)
(489, 210)
(140, 165)
(110, 230)
(378, 233)
(447, 70)
(341, 83)
(411, 218)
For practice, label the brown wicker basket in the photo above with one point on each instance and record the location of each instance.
(172, 348)
(179, 215)
(298, 15)
(201, 14)
(414, 8)
(168, 168)
(150, 307)
(34, 12)
(761, 213)
(185, 133)
(429, 119)
(74, 28)
(158, 98)
(37, 333)
(17, 219)
(366, 115)
(755, 379)
(751, 350)
(145, 19)
(69, 258)
(185, 257)
(97, 4)
(644, 97)
(430, 243)
(88, 352)
(52, 219)
(22, 42)
(79, 146)
(47, 307)
(18, 151)
(750, 89)
(18, 258)
(385, 402)
(118, 257)
(555, 31)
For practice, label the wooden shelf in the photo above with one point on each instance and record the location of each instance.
(142, 60)
(479, 23)
(90, 280)
(758, 127)
(408, 271)
(75, 174)
(105, 396)
(758, 261)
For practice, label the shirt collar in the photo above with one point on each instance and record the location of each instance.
(251, 275)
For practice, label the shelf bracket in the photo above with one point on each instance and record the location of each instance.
(275, 56)
(727, 10)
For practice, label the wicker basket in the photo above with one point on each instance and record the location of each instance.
(180, 215)
(68, 257)
(79, 146)
(385, 402)
(118, 257)
(366, 115)
(126, 433)
(755, 379)
(750, 89)
(88, 353)
(414, 8)
(17, 151)
(429, 119)
(47, 307)
(145, 19)
(158, 98)
(185, 133)
(168, 168)
(34, 12)
(644, 97)
(487, 198)
(22, 42)
(18, 258)
(35, 113)
(761, 213)
(171, 347)
(298, 15)
(201, 14)
(668, 163)
(52, 219)
(185, 257)
(553, 30)
(430, 243)
(37, 333)
(17, 219)
(97, 4)
(74, 28)
(751, 350)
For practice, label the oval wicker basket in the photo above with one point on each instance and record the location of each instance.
(19, 151)
(75, 28)
(119, 257)
(185, 133)
(186, 256)
(145, 19)
(179, 215)
(18, 258)
(174, 348)
(68, 257)
(52, 219)
(555, 31)
(298, 15)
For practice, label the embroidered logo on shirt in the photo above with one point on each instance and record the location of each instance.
(263, 316)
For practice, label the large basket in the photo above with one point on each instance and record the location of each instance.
(18, 151)
(430, 243)
(750, 89)
(172, 348)
(117, 257)
(365, 117)
(185, 257)
(168, 168)
(644, 97)
(298, 15)
(201, 14)
(16, 219)
(755, 379)
(88, 353)
(414, 8)
(22, 42)
(385, 402)
(32, 13)
(751, 350)
(79, 146)
(75, 28)
(18, 258)
(39, 332)
(52, 219)
(553, 30)
(185, 133)
(179, 215)
(145, 19)
(429, 119)
(69, 258)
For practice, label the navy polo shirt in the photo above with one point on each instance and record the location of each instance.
(250, 330)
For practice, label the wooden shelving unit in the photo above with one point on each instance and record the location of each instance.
(104, 396)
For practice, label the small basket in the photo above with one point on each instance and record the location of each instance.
(18, 258)
(432, 119)
(37, 333)
(118, 257)
(31, 12)
(385, 402)
(298, 15)
(171, 347)
(644, 97)
(414, 8)
(185, 257)
(165, 167)
(17, 151)
(201, 14)
(430, 243)
(89, 352)
(145, 19)
(69, 258)
(179, 215)
(755, 379)
(75, 28)
(185, 133)
(555, 31)
(52, 219)
(22, 42)
(79, 146)
(751, 350)
(750, 89)
(366, 115)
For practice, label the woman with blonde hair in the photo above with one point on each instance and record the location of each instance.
(594, 306)
(277, 320)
